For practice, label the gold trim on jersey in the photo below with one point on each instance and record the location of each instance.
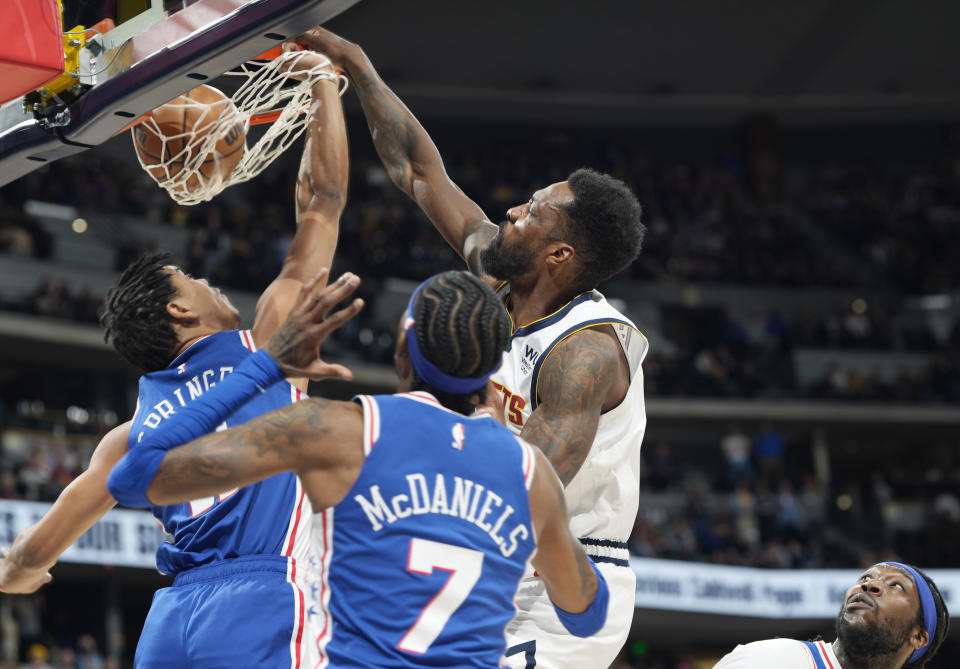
(514, 329)
(546, 354)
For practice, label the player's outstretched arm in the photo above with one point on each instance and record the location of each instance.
(321, 195)
(573, 385)
(25, 565)
(408, 153)
(575, 586)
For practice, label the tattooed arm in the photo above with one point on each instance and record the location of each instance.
(560, 559)
(583, 376)
(408, 153)
(318, 439)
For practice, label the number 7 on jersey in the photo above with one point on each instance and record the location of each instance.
(464, 565)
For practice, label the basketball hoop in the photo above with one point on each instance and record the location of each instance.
(275, 92)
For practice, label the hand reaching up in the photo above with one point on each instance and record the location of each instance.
(296, 344)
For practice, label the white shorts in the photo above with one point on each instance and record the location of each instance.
(537, 638)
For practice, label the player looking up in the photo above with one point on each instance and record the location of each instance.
(892, 617)
(405, 486)
(180, 331)
(571, 381)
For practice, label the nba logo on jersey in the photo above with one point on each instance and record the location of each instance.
(181, 368)
(458, 436)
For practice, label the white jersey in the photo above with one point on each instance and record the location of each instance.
(604, 496)
(781, 653)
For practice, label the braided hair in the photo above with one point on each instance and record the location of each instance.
(943, 624)
(134, 313)
(461, 327)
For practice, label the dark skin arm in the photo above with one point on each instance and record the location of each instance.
(25, 566)
(560, 560)
(585, 375)
(321, 195)
(408, 153)
(318, 439)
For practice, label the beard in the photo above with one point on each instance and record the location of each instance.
(870, 640)
(505, 263)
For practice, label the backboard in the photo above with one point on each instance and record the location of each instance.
(147, 60)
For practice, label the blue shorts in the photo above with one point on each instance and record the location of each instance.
(243, 612)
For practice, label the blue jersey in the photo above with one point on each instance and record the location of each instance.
(267, 518)
(423, 556)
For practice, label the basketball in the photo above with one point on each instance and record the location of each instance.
(176, 139)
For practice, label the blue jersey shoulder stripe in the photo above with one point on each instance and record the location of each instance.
(815, 652)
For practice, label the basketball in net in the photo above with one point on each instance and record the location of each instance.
(196, 145)
(192, 143)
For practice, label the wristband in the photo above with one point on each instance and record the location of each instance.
(590, 621)
(261, 368)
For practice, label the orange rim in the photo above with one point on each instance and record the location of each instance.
(256, 119)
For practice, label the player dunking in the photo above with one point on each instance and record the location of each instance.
(571, 379)
(893, 617)
(181, 331)
(426, 508)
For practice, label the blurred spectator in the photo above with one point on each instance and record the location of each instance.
(769, 450)
(35, 476)
(37, 657)
(9, 632)
(776, 332)
(21, 234)
(735, 446)
(681, 539)
(743, 506)
(659, 468)
(788, 514)
(88, 656)
(66, 659)
(813, 507)
(8, 485)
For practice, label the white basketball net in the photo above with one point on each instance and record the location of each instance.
(279, 85)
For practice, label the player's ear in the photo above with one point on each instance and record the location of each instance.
(181, 311)
(401, 358)
(559, 253)
(920, 637)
